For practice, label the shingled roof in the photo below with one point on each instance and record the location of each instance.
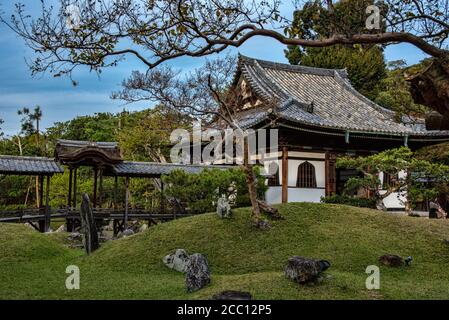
(156, 169)
(317, 97)
(28, 165)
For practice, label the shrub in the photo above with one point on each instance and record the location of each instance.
(351, 201)
(199, 192)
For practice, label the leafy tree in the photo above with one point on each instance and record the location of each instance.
(365, 63)
(31, 124)
(201, 191)
(395, 92)
(147, 133)
(422, 178)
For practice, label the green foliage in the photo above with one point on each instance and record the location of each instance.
(200, 192)
(423, 180)
(239, 256)
(350, 201)
(395, 94)
(142, 135)
(147, 133)
(365, 64)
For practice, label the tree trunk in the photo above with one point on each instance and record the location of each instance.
(19, 143)
(252, 191)
(430, 87)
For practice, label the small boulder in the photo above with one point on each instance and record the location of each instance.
(62, 228)
(143, 227)
(29, 226)
(178, 260)
(125, 233)
(391, 260)
(198, 274)
(223, 207)
(305, 270)
(232, 295)
(262, 224)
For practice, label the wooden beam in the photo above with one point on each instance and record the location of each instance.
(284, 175)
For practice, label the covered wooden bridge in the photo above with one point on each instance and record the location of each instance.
(106, 160)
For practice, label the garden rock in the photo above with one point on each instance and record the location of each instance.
(178, 260)
(223, 207)
(62, 228)
(125, 233)
(232, 295)
(391, 260)
(305, 270)
(198, 274)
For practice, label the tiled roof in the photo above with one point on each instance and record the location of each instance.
(317, 97)
(156, 169)
(28, 165)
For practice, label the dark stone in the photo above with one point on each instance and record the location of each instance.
(272, 212)
(305, 270)
(391, 260)
(262, 225)
(197, 274)
(232, 295)
(88, 226)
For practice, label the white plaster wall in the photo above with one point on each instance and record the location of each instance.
(395, 200)
(274, 194)
(305, 195)
(319, 172)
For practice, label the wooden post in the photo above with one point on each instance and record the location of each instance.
(69, 197)
(284, 175)
(331, 174)
(100, 190)
(47, 205)
(162, 200)
(75, 174)
(94, 203)
(115, 192)
(40, 190)
(125, 220)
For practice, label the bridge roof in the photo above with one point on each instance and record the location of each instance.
(16, 165)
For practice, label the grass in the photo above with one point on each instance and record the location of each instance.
(33, 265)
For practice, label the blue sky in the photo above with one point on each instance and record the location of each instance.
(61, 101)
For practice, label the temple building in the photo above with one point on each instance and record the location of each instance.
(320, 117)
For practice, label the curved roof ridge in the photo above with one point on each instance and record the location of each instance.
(296, 68)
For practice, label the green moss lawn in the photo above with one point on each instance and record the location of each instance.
(33, 265)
